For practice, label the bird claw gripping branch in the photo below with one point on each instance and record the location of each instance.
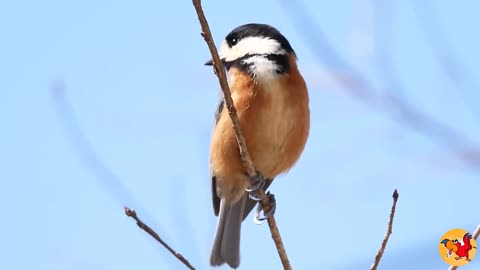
(259, 183)
(272, 207)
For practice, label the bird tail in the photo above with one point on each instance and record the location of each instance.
(226, 244)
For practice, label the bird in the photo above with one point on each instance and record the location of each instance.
(460, 247)
(272, 103)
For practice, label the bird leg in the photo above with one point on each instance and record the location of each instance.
(258, 183)
(271, 209)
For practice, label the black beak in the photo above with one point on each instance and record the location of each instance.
(210, 62)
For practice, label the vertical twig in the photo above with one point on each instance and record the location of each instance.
(146, 228)
(245, 156)
(475, 235)
(389, 232)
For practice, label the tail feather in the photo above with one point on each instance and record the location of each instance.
(216, 258)
(226, 244)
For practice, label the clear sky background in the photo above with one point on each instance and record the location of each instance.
(107, 103)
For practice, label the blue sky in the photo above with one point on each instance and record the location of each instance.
(135, 93)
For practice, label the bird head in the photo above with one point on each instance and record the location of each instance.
(258, 49)
(450, 245)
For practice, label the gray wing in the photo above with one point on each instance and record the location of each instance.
(215, 198)
(221, 104)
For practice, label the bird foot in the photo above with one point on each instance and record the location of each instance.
(272, 206)
(258, 183)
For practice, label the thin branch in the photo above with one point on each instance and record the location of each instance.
(389, 232)
(222, 79)
(145, 227)
(475, 235)
(245, 156)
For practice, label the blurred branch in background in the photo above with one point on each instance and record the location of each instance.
(388, 75)
(362, 89)
(146, 228)
(86, 152)
(383, 21)
(379, 255)
(459, 74)
(475, 235)
(110, 180)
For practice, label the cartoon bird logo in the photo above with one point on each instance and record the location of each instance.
(457, 247)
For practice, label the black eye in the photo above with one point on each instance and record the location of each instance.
(232, 41)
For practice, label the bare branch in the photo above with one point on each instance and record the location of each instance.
(389, 232)
(145, 227)
(222, 79)
(244, 154)
(475, 235)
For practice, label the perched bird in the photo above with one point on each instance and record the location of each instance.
(272, 104)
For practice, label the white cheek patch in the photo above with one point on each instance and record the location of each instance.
(261, 68)
(250, 45)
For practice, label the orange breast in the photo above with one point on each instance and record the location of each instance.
(275, 121)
